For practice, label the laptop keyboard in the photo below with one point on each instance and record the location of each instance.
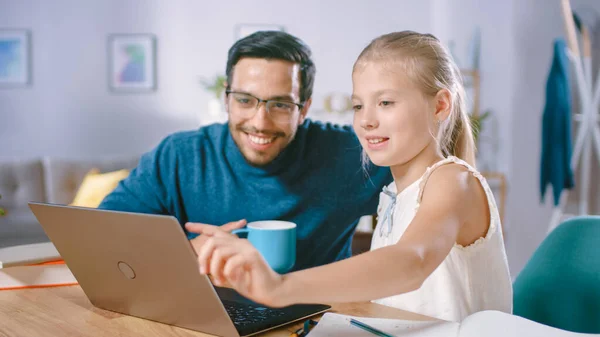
(244, 315)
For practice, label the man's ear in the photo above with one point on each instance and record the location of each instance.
(304, 111)
(225, 100)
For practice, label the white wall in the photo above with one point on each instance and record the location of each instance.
(532, 42)
(68, 110)
(455, 21)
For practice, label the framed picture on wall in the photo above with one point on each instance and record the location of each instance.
(132, 62)
(14, 57)
(243, 30)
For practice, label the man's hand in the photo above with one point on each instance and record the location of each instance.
(198, 241)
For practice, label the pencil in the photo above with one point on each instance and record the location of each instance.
(369, 328)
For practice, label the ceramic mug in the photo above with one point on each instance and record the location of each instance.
(275, 240)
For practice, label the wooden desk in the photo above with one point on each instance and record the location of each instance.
(65, 311)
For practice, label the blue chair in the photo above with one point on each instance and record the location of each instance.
(560, 285)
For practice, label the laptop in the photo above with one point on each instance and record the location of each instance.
(143, 265)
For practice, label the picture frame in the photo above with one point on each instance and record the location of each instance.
(15, 57)
(245, 29)
(132, 62)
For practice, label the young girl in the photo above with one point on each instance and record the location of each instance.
(438, 248)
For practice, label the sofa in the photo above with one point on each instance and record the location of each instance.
(52, 180)
(57, 180)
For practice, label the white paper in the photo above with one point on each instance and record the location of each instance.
(28, 254)
(40, 275)
(499, 324)
(332, 324)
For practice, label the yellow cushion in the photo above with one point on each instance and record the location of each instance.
(96, 186)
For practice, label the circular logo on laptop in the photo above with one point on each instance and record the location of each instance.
(126, 270)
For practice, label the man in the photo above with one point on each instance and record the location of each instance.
(268, 162)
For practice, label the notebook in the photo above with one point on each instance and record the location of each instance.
(28, 254)
(50, 274)
(484, 323)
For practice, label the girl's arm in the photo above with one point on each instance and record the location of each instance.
(400, 268)
(447, 200)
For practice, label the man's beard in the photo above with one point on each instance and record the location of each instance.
(256, 158)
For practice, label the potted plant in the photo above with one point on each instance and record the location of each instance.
(2, 210)
(216, 87)
(476, 124)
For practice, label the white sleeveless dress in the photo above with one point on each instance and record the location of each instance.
(470, 279)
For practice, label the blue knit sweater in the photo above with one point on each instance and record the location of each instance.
(317, 182)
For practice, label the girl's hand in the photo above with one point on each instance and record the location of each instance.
(198, 241)
(234, 261)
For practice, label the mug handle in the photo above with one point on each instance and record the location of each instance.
(242, 231)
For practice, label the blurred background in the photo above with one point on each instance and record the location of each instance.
(80, 95)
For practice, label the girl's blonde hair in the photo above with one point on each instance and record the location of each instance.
(430, 65)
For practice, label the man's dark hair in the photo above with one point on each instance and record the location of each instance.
(275, 45)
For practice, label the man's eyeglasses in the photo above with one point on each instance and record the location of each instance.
(246, 105)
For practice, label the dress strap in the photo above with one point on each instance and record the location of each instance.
(448, 160)
(494, 213)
